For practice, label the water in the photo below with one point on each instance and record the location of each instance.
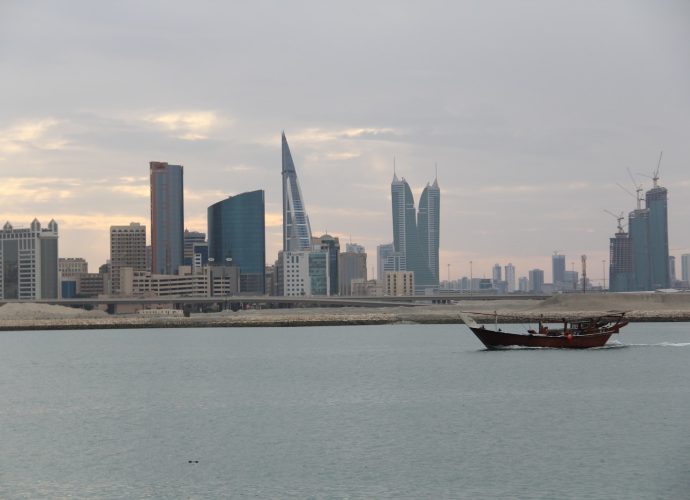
(341, 412)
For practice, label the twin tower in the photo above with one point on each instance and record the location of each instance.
(415, 234)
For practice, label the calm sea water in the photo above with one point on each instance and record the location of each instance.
(344, 412)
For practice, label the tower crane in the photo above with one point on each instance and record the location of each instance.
(619, 217)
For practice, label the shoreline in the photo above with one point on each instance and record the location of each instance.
(282, 318)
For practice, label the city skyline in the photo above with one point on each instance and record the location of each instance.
(532, 112)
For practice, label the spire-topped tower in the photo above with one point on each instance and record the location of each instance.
(296, 228)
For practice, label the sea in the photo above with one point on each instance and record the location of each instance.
(395, 411)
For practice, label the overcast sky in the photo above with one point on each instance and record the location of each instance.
(533, 111)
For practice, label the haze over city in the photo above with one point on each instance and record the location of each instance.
(531, 111)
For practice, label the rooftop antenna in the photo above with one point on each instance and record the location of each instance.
(619, 218)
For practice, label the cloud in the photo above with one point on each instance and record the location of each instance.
(319, 135)
(186, 125)
(138, 191)
(30, 134)
(36, 189)
(274, 219)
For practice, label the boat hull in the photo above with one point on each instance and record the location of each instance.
(500, 340)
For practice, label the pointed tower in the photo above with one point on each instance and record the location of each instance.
(406, 235)
(296, 229)
(428, 224)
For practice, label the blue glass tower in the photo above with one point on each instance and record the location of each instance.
(167, 218)
(296, 229)
(656, 202)
(236, 235)
(428, 224)
(638, 225)
(406, 237)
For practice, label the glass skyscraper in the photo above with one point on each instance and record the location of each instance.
(656, 202)
(638, 225)
(167, 218)
(236, 237)
(428, 222)
(407, 239)
(296, 229)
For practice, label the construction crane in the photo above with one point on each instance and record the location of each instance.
(618, 217)
(655, 173)
(638, 190)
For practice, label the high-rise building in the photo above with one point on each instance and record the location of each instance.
(656, 203)
(536, 280)
(127, 250)
(428, 224)
(510, 278)
(29, 262)
(638, 225)
(167, 218)
(523, 284)
(558, 270)
(388, 259)
(685, 267)
(496, 274)
(305, 273)
(406, 237)
(620, 262)
(236, 235)
(671, 269)
(296, 228)
(331, 246)
(351, 266)
(190, 239)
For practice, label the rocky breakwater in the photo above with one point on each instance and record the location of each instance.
(638, 307)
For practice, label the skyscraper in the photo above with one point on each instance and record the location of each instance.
(127, 249)
(671, 270)
(638, 225)
(496, 274)
(558, 270)
(387, 259)
(656, 203)
(236, 236)
(536, 280)
(352, 265)
(331, 245)
(428, 222)
(406, 237)
(190, 239)
(510, 277)
(167, 218)
(685, 267)
(296, 228)
(29, 262)
(620, 262)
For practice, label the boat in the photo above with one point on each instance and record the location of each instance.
(579, 333)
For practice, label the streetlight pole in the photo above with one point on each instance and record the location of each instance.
(603, 272)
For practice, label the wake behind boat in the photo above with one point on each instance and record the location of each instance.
(580, 333)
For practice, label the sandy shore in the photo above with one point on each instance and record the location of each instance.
(638, 307)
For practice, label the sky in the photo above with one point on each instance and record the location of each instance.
(533, 113)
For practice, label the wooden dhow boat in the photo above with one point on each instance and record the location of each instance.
(579, 333)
